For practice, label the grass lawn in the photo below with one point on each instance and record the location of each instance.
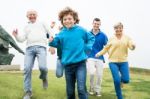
(11, 86)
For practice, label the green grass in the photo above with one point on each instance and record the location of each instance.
(11, 86)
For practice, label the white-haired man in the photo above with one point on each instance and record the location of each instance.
(35, 35)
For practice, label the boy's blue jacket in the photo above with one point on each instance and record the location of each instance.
(74, 43)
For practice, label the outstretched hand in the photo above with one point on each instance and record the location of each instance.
(15, 32)
(133, 46)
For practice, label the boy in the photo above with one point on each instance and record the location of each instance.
(74, 41)
(35, 34)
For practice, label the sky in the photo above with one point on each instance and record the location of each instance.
(134, 14)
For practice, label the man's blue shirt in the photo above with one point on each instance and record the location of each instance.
(100, 41)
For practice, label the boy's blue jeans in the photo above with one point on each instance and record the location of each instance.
(30, 55)
(76, 72)
(59, 69)
(120, 73)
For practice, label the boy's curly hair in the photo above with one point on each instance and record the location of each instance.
(67, 11)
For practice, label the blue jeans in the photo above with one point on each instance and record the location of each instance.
(120, 73)
(76, 72)
(59, 69)
(30, 55)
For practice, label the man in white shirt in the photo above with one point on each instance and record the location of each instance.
(35, 35)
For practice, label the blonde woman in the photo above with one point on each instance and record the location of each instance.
(117, 48)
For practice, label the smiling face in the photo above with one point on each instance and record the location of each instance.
(118, 28)
(68, 17)
(68, 21)
(96, 25)
(32, 15)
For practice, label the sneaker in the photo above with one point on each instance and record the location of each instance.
(91, 92)
(98, 94)
(45, 83)
(28, 95)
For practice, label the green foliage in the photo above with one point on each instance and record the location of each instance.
(11, 86)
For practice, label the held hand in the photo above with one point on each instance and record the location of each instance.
(15, 32)
(97, 55)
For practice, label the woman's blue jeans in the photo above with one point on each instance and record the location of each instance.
(120, 73)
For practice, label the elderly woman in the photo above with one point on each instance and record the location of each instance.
(117, 49)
